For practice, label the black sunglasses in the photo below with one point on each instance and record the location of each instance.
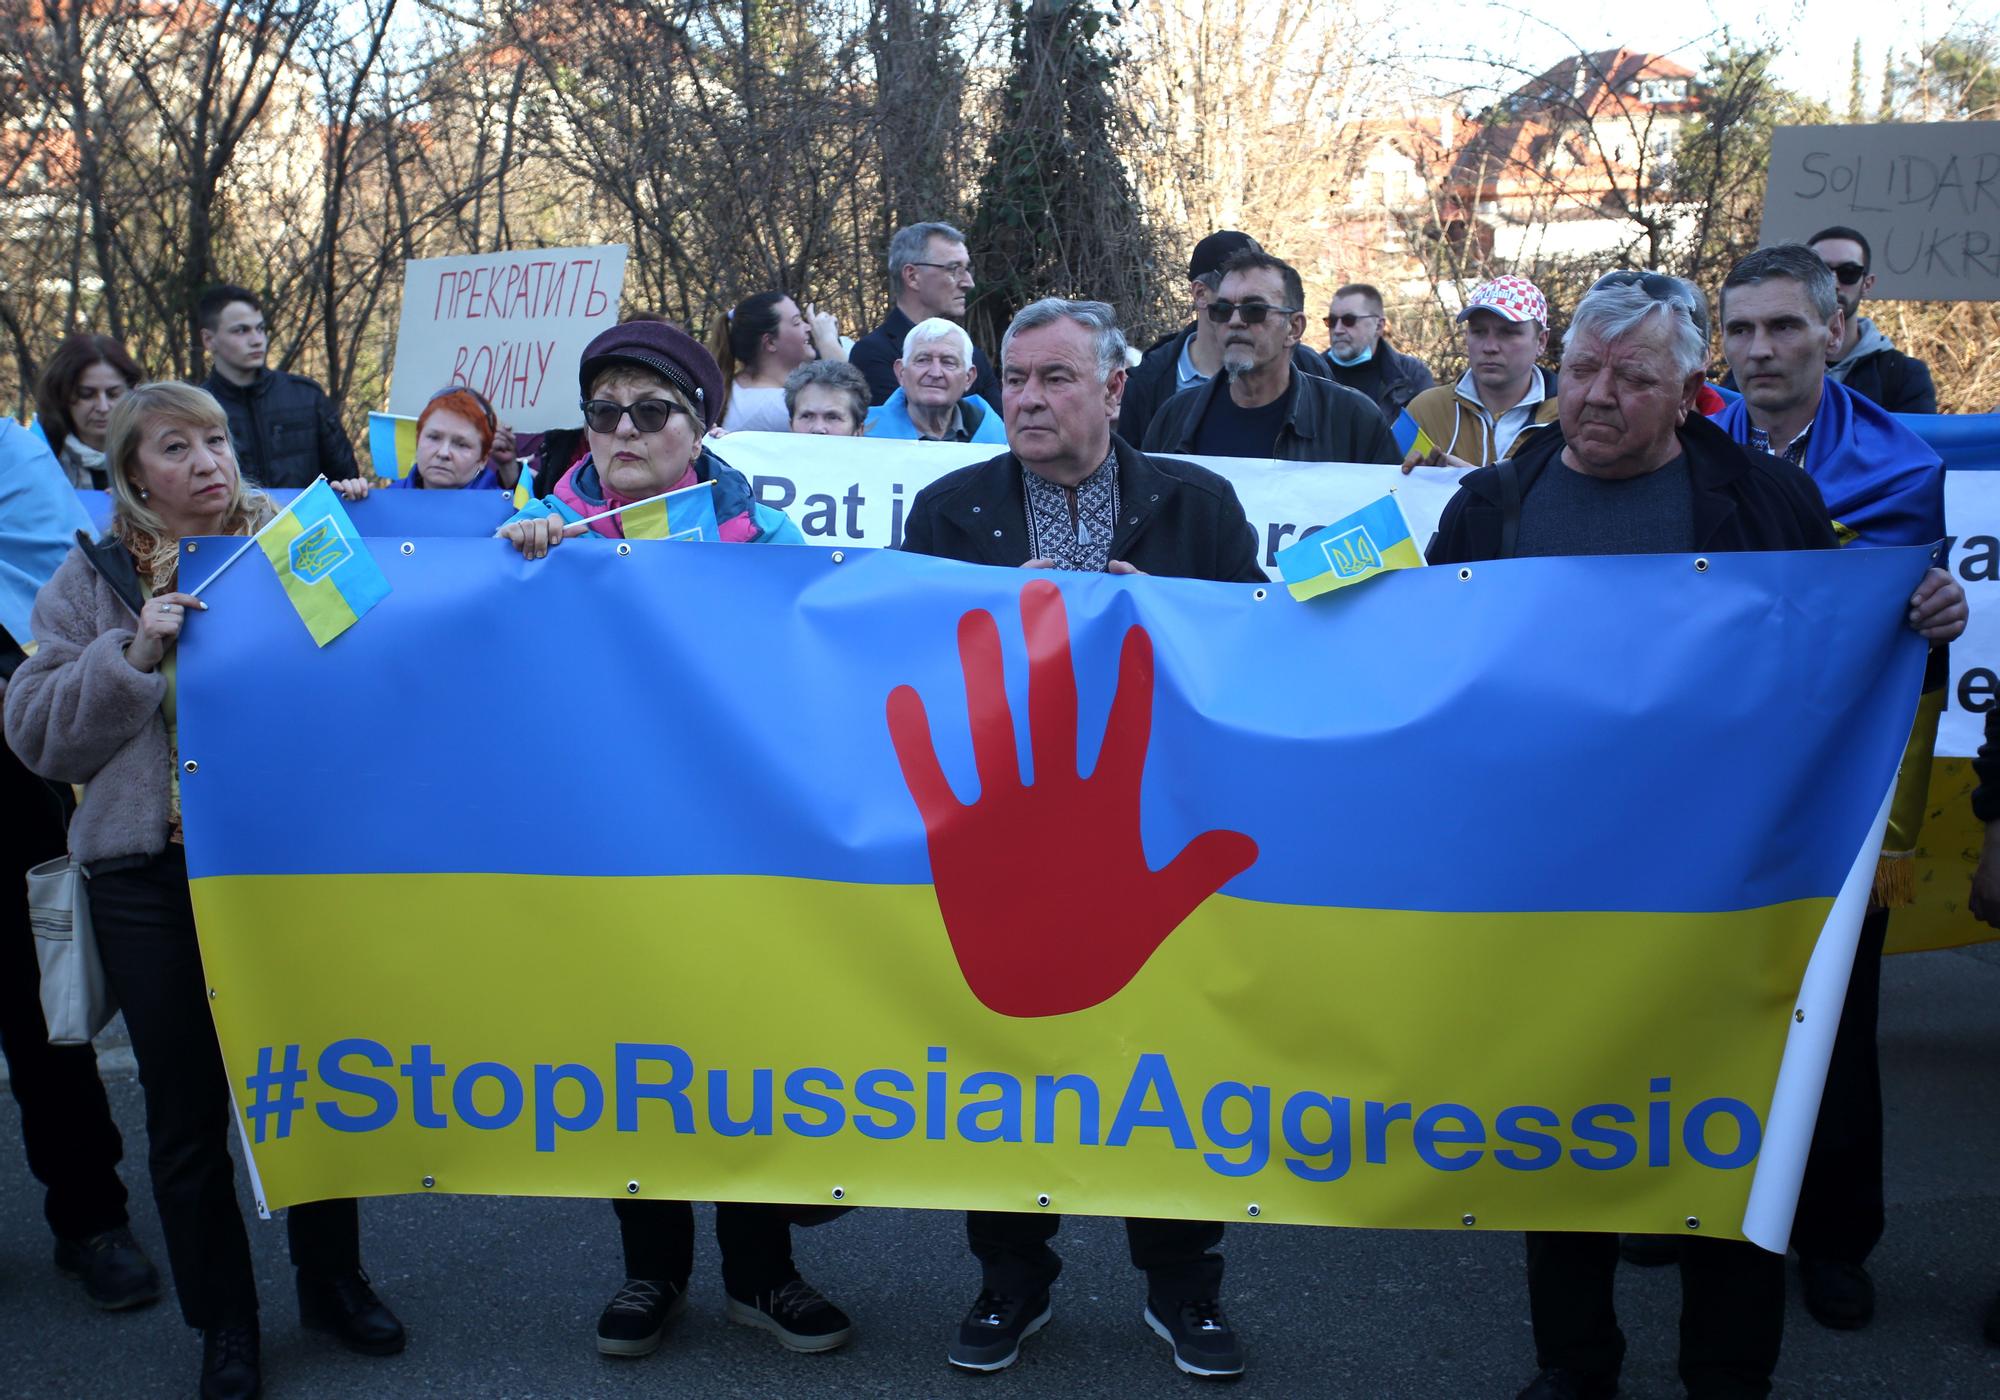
(1848, 273)
(1350, 319)
(1253, 312)
(1659, 287)
(648, 415)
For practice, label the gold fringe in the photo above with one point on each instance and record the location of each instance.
(1895, 882)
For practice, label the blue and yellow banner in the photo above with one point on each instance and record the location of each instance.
(1078, 893)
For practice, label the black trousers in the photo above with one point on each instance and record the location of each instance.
(146, 938)
(1732, 1311)
(1180, 1258)
(1840, 1212)
(73, 1146)
(755, 1240)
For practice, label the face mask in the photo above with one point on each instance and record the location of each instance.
(1345, 363)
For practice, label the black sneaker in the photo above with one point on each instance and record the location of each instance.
(633, 1322)
(345, 1305)
(231, 1367)
(1203, 1341)
(795, 1314)
(990, 1337)
(1650, 1251)
(115, 1272)
(1838, 1295)
(1560, 1383)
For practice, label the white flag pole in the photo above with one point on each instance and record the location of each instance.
(618, 510)
(244, 548)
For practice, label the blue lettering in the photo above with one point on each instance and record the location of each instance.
(1585, 1127)
(1429, 1134)
(934, 1096)
(1254, 1138)
(1151, 1076)
(548, 1117)
(423, 1073)
(1334, 1146)
(510, 1095)
(802, 1087)
(869, 1092)
(1508, 1128)
(1659, 1132)
(1749, 1134)
(1376, 1120)
(673, 1093)
(1004, 1108)
(338, 1078)
(1088, 1110)
(759, 1121)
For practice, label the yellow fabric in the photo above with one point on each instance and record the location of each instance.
(1895, 873)
(1456, 426)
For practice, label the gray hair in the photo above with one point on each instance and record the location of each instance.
(1611, 313)
(938, 328)
(837, 375)
(910, 244)
(1793, 262)
(1094, 316)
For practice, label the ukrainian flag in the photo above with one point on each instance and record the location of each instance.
(688, 514)
(392, 445)
(1374, 539)
(524, 486)
(1409, 436)
(327, 572)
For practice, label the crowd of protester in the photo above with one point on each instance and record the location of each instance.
(1623, 448)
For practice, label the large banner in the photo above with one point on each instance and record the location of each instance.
(1483, 897)
(1925, 194)
(512, 325)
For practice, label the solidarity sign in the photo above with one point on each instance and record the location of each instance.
(889, 881)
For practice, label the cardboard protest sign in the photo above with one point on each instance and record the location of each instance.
(510, 325)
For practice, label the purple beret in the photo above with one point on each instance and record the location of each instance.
(665, 350)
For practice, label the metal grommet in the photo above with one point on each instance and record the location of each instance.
(1156, 496)
(996, 534)
(631, 1188)
(1131, 520)
(1464, 574)
(1799, 1015)
(1694, 1222)
(624, 548)
(1468, 1220)
(975, 510)
(191, 546)
(840, 1193)
(1043, 1199)
(1253, 1210)
(838, 556)
(1701, 566)
(191, 766)
(1261, 594)
(409, 548)
(211, 994)
(429, 1182)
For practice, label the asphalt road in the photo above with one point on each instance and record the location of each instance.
(501, 1296)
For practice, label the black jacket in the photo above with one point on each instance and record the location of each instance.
(1898, 382)
(1175, 518)
(876, 353)
(1157, 379)
(1743, 500)
(1388, 376)
(1324, 422)
(284, 429)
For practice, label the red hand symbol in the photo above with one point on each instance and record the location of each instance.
(1044, 888)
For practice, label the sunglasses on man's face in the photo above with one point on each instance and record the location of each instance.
(648, 415)
(1350, 319)
(1252, 312)
(1848, 274)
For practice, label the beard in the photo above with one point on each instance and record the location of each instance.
(1238, 359)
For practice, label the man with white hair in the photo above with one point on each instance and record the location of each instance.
(1630, 467)
(933, 401)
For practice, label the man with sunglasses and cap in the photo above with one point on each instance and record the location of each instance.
(1867, 361)
(1193, 354)
(1259, 405)
(1503, 399)
(1359, 355)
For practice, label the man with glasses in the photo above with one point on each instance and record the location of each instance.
(1259, 405)
(930, 271)
(1867, 361)
(1359, 355)
(1503, 399)
(1193, 354)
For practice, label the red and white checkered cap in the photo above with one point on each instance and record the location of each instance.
(1515, 298)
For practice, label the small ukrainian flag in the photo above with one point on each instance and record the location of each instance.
(687, 514)
(392, 445)
(1409, 436)
(524, 486)
(1371, 541)
(326, 570)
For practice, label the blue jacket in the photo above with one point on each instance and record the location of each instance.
(891, 419)
(39, 518)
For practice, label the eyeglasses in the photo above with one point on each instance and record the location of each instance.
(952, 270)
(648, 415)
(1848, 273)
(1252, 312)
(1350, 319)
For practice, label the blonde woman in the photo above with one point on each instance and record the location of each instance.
(96, 705)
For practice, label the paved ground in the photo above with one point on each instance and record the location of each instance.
(501, 1295)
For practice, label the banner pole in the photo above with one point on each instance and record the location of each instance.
(244, 548)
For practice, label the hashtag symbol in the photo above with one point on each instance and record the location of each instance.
(275, 1092)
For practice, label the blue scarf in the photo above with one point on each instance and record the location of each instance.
(1882, 483)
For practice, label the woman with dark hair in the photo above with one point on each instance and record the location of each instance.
(73, 398)
(758, 345)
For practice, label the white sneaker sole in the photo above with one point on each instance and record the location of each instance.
(642, 1346)
(1188, 1366)
(756, 1317)
(1035, 1325)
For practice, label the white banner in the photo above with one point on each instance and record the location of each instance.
(511, 325)
(1972, 514)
